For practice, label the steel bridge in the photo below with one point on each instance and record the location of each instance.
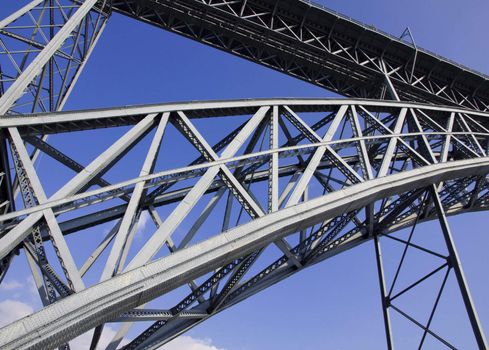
(287, 183)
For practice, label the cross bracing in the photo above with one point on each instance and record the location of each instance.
(292, 182)
(318, 45)
(363, 164)
(27, 33)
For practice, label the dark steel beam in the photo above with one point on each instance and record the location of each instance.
(455, 263)
(323, 48)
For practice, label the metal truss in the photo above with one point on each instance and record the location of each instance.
(447, 262)
(58, 39)
(320, 46)
(288, 184)
(43, 49)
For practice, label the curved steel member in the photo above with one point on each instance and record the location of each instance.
(79, 313)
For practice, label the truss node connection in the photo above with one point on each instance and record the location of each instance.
(282, 184)
(335, 172)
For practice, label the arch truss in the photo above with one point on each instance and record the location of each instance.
(177, 212)
(279, 186)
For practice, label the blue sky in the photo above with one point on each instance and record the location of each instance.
(333, 305)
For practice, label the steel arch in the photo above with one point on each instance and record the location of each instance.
(355, 143)
(373, 159)
(78, 313)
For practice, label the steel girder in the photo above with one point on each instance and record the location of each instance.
(320, 46)
(319, 185)
(304, 180)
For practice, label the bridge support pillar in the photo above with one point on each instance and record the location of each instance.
(431, 201)
(455, 264)
(383, 294)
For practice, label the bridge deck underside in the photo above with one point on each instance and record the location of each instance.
(317, 45)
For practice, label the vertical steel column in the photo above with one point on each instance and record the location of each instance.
(383, 294)
(378, 252)
(455, 263)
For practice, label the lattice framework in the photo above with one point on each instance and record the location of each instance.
(295, 181)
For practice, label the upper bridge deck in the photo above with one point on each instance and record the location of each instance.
(317, 45)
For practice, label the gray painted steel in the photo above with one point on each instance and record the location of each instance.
(417, 140)
(305, 179)
(79, 313)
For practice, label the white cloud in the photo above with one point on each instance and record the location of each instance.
(12, 310)
(32, 286)
(11, 285)
(144, 218)
(83, 341)
(185, 342)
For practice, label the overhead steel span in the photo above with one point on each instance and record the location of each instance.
(165, 215)
(276, 186)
